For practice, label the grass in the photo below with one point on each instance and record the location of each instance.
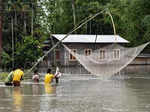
(3, 76)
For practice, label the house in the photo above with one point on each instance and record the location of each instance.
(84, 44)
(78, 43)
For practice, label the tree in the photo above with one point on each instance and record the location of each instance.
(18, 23)
(28, 51)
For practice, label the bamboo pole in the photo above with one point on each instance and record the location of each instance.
(84, 21)
(112, 20)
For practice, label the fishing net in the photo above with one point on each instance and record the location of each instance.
(108, 60)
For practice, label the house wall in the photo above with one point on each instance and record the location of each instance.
(64, 56)
(141, 61)
(65, 61)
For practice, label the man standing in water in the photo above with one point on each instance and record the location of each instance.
(57, 75)
(49, 77)
(18, 76)
(35, 77)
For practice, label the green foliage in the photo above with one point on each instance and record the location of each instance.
(131, 17)
(27, 52)
(6, 60)
(3, 76)
(146, 22)
(19, 20)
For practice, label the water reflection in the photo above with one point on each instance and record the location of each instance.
(76, 93)
(49, 89)
(17, 98)
(48, 102)
(140, 90)
(35, 89)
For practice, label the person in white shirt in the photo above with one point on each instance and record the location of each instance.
(57, 75)
(36, 77)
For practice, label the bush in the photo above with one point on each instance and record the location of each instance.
(3, 76)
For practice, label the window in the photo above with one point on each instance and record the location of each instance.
(116, 54)
(72, 58)
(102, 54)
(57, 54)
(87, 52)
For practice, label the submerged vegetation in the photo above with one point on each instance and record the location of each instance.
(27, 24)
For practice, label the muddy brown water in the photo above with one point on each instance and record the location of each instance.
(80, 93)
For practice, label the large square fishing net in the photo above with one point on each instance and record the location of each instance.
(107, 60)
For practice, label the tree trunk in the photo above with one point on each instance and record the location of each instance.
(0, 29)
(15, 28)
(74, 13)
(24, 23)
(12, 29)
(32, 22)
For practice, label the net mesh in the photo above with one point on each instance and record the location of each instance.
(107, 60)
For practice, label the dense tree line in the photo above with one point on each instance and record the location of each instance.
(32, 21)
(21, 35)
(131, 17)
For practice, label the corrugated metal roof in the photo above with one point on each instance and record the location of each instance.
(77, 38)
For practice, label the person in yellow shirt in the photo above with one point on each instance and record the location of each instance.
(49, 77)
(17, 76)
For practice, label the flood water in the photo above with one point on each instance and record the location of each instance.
(80, 93)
